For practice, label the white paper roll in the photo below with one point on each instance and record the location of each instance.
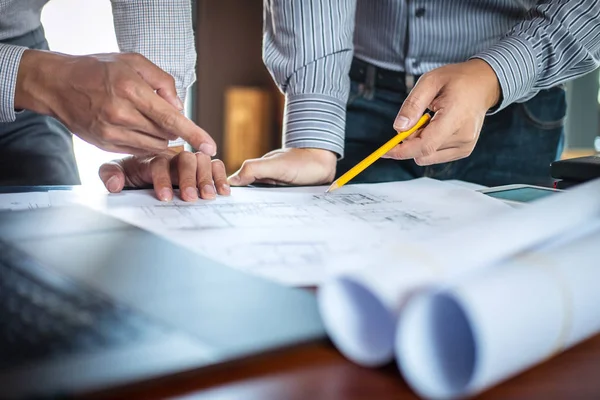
(458, 341)
(360, 309)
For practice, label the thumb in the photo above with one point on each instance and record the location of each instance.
(415, 105)
(253, 170)
(112, 176)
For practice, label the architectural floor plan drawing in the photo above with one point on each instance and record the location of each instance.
(294, 235)
(301, 235)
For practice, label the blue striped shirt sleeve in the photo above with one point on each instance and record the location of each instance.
(558, 41)
(307, 48)
(10, 58)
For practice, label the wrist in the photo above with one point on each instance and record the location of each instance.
(325, 156)
(35, 69)
(491, 83)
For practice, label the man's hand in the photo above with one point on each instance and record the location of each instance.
(188, 170)
(459, 95)
(288, 167)
(118, 102)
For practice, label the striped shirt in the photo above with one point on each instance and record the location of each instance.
(309, 45)
(161, 30)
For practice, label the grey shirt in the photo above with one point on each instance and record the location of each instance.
(161, 30)
(18, 17)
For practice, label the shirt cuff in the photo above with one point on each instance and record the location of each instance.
(314, 121)
(513, 59)
(10, 58)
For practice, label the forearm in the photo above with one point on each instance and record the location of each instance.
(558, 41)
(308, 50)
(162, 31)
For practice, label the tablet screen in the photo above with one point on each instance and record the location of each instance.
(522, 195)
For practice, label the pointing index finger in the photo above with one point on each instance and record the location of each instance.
(168, 119)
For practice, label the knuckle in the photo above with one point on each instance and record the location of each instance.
(202, 158)
(412, 102)
(427, 79)
(168, 120)
(186, 158)
(134, 56)
(247, 167)
(218, 164)
(109, 135)
(170, 79)
(394, 153)
(473, 135)
(108, 147)
(186, 180)
(116, 115)
(204, 176)
(428, 148)
(466, 136)
(205, 180)
(421, 161)
(162, 145)
(126, 88)
(161, 181)
(159, 162)
(402, 150)
(436, 105)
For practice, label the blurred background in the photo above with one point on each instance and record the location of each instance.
(234, 98)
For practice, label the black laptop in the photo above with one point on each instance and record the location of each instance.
(89, 303)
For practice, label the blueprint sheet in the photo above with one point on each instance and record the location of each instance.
(300, 236)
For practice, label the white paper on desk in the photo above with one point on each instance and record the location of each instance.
(24, 201)
(34, 200)
(360, 308)
(300, 236)
(462, 339)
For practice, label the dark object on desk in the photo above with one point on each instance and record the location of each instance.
(88, 302)
(573, 171)
(563, 185)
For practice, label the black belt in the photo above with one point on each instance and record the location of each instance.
(372, 76)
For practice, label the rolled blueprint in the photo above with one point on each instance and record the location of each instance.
(360, 308)
(460, 340)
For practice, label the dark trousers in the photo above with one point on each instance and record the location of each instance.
(36, 149)
(516, 145)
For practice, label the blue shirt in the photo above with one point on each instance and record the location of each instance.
(309, 45)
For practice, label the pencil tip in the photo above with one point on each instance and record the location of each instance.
(331, 188)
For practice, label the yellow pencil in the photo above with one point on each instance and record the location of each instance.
(364, 164)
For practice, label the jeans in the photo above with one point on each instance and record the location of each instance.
(516, 145)
(36, 149)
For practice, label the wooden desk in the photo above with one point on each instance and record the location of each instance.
(317, 371)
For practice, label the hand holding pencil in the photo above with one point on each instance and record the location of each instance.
(377, 154)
